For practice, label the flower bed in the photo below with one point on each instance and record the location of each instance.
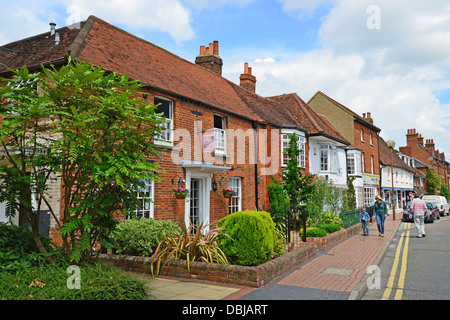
(225, 273)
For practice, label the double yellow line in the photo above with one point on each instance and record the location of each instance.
(401, 279)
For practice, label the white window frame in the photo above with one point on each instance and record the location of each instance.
(148, 205)
(353, 163)
(166, 136)
(220, 136)
(363, 167)
(301, 142)
(235, 205)
(362, 135)
(371, 164)
(327, 158)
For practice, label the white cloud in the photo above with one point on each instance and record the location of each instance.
(165, 15)
(24, 18)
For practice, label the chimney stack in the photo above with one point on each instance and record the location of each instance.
(209, 58)
(248, 81)
(368, 118)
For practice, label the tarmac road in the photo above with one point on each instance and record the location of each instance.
(416, 268)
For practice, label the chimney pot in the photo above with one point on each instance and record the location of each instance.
(52, 28)
(216, 48)
(209, 58)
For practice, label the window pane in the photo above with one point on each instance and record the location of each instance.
(219, 122)
(164, 107)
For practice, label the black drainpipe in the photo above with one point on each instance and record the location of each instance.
(255, 128)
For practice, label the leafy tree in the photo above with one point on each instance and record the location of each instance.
(89, 131)
(433, 183)
(279, 202)
(298, 185)
(445, 192)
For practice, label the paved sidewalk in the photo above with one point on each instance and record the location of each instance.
(338, 273)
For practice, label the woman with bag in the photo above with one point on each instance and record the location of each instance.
(380, 210)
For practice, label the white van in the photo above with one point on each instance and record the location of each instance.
(441, 203)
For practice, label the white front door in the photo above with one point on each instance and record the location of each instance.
(197, 204)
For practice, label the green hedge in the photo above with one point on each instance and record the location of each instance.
(140, 237)
(253, 237)
(329, 227)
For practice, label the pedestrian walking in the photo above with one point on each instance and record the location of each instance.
(365, 218)
(380, 210)
(418, 209)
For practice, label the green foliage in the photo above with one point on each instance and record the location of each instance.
(329, 227)
(351, 193)
(279, 203)
(251, 238)
(445, 192)
(18, 249)
(433, 182)
(298, 186)
(330, 218)
(314, 232)
(49, 282)
(88, 127)
(140, 237)
(191, 244)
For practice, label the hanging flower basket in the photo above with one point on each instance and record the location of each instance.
(228, 193)
(181, 193)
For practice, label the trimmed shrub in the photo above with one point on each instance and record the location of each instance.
(329, 227)
(140, 237)
(314, 232)
(253, 237)
(329, 217)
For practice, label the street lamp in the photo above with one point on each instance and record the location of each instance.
(391, 145)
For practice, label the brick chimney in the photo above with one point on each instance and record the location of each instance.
(412, 137)
(369, 118)
(209, 58)
(248, 81)
(429, 146)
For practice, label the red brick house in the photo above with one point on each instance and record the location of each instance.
(427, 154)
(198, 104)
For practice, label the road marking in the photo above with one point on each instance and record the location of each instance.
(390, 283)
(401, 283)
(401, 280)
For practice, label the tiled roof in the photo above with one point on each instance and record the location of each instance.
(385, 157)
(313, 122)
(117, 50)
(36, 50)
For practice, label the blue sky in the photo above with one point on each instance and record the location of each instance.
(390, 58)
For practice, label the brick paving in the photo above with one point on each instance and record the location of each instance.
(332, 274)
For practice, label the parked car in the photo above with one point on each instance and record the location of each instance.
(433, 211)
(441, 203)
